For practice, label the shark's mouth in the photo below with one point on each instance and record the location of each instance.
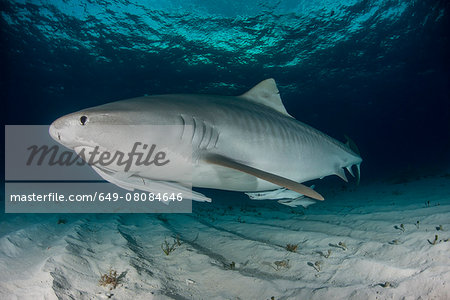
(78, 149)
(91, 156)
(110, 164)
(85, 151)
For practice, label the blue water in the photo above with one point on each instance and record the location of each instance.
(377, 71)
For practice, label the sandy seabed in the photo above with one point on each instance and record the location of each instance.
(380, 241)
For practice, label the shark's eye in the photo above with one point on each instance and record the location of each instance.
(83, 120)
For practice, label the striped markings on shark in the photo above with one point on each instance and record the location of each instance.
(245, 143)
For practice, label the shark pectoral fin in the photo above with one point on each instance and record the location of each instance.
(275, 179)
(133, 182)
(111, 178)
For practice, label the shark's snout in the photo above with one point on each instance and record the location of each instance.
(60, 131)
(54, 132)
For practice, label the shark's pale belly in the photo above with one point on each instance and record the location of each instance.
(217, 177)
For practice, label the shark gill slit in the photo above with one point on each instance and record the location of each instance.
(210, 134)
(183, 122)
(194, 129)
(217, 134)
(202, 139)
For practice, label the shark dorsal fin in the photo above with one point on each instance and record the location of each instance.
(266, 93)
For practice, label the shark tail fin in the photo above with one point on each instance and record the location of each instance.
(352, 146)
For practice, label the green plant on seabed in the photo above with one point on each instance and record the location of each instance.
(61, 221)
(280, 264)
(318, 266)
(177, 240)
(436, 240)
(109, 279)
(394, 242)
(240, 220)
(292, 247)
(231, 266)
(324, 254)
(167, 248)
(402, 227)
(342, 245)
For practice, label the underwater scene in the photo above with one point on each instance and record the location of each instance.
(225, 149)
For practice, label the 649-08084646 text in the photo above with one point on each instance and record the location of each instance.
(98, 197)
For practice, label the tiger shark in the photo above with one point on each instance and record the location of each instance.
(246, 143)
